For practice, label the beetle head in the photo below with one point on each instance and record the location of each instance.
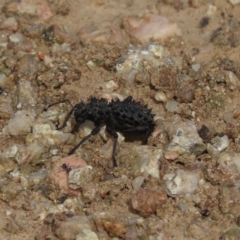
(80, 112)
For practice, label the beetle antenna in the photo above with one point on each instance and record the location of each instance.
(62, 101)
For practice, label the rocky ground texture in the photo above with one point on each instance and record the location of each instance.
(181, 58)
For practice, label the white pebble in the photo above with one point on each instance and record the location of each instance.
(160, 96)
(172, 105)
(91, 65)
(185, 137)
(10, 24)
(137, 183)
(65, 47)
(220, 143)
(144, 160)
(20, 123)
(182, 182)
(16, 37)
(26, 93)
(80, 176)
(211, 9)
(55, 48)
(196, 67)
(232, 79)
(8, 213)
(48, 61)
(87, 235)
(111, 85)
(213, 152)
(230, 161)
(156, 49)
(27, 154)
(47, 136)
(234, 2)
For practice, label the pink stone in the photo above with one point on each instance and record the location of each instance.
(60, 176)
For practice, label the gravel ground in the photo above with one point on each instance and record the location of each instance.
(181, 59)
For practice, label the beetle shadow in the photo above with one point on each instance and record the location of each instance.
(134, 136)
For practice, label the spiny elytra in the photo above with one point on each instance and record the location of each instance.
(118, 116)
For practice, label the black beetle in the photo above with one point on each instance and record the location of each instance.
(123, 116)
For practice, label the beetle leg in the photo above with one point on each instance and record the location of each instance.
(115, 135)
(94, 132)
(76, 127)
(68, 115)
(147, 134)
(67, 118)
(62, 101)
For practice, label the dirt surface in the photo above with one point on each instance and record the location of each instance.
(181, 58)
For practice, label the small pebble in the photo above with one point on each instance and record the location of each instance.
(72, 227)
(182, 182)
(20, 123)
(144, 160)
(196, 67)
(171, 155)
(234, 2)
(220, 143)
(231, 234)
(9, 24)
(87, 234)
(146, 202)
(172, 105)
(3, 80)
(16, 37)
(160, 96)
(137, 182)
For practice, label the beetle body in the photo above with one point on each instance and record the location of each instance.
(122, 116)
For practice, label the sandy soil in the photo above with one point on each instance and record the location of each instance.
(96, 32)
